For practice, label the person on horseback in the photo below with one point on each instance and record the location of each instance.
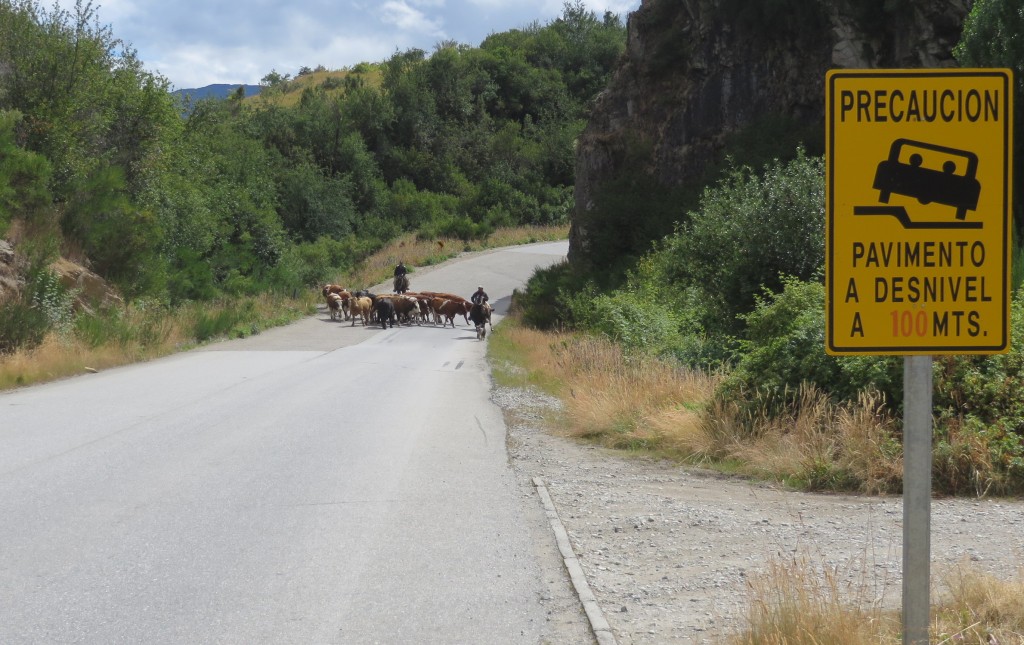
(479, 297)
(401, 280)
(479, 311)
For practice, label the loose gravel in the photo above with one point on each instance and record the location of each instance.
(668, 551)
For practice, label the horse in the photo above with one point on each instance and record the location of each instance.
(401, 283)
(480, 314)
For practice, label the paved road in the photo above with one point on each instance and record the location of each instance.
(319, 483)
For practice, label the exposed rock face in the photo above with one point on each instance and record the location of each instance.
(10, 280)
(696, 71)
(90, 289)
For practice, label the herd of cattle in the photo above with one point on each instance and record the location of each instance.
(403, 308)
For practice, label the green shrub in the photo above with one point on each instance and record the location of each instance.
(218, 323)
(120, 239)
(785, 348)
(980, 415)
(461, 228)
(639, 325)
(542, 302)
(190, 277)
(49, 296)
(24, 175)
(143, 323)
(107, 327)
(750, 230)
(22, 326)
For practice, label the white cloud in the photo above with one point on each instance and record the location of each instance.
(406, 18)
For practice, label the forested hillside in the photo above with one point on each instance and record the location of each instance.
(699, 241)
(240, 197)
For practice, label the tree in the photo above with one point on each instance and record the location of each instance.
(993, 36)
(24, 176)
(120, 238)
(750, 230)
(274, 79)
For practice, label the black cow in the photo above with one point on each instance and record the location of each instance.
(385, 310)
(480, 314)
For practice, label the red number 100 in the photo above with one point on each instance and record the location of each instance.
(906, 323)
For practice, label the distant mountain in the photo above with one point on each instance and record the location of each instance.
(218, 91)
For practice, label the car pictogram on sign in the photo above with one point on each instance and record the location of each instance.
(929, 173)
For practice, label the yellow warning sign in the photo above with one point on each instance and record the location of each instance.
(918, 201)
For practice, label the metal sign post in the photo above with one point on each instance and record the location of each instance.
(917, 496)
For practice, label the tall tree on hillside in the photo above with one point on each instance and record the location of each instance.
(993, 36)
(24, 176)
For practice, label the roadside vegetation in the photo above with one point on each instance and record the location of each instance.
(733, 295)
(801, 601)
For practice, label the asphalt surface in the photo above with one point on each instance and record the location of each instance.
(318, 483)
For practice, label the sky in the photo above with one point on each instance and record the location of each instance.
(194, 43)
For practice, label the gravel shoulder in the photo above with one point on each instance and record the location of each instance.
(668, 551)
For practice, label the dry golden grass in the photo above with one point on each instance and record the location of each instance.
(796, 602)
(59, 357)
(979, 609)
(799, 602)
(291, 98)
(619, 401)
(636, 402)
(141, 332)
(640, 402)
(53, 359)
(817, 443)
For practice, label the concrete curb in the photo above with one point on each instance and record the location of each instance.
(602, 630)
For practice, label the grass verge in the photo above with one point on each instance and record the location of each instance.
(609, 397)
(638, 402)
(143, 331)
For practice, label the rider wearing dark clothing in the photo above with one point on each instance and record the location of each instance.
(479, 297)
(401, 281)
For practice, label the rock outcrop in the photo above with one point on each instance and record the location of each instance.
(696, 72)
(89, 289)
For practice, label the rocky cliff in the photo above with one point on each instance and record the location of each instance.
(701, 75)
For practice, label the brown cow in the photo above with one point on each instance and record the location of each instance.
(450, 308)
(407, 309)
(331, 288)
(424, 305)
(340, 291)
(334, 305)
(439, 294)
(360, 308)
(435, 306)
